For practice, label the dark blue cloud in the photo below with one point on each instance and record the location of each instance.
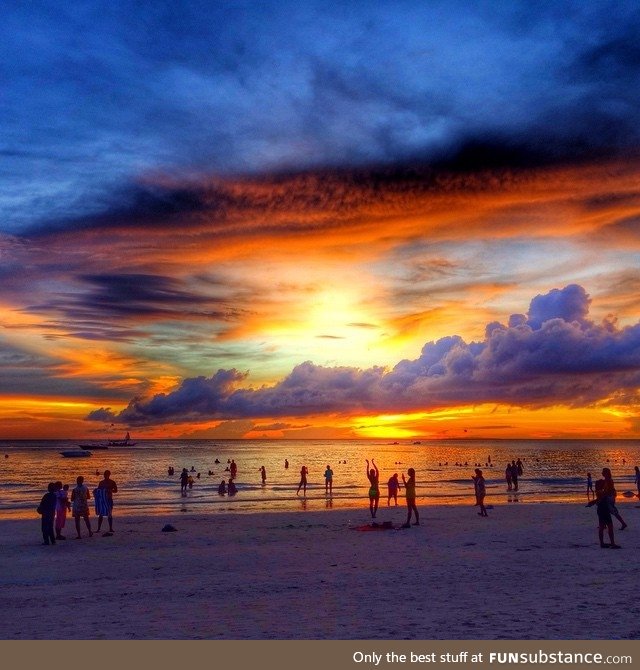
(553, 356)
(96, 94)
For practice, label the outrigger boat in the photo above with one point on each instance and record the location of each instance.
(122, 443)
(93, 446)
(76, 453)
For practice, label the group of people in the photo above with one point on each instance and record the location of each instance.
(56, 503)
(393, 485)
(512, 472)
(224, 488)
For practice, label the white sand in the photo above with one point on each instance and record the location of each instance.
(526, 572)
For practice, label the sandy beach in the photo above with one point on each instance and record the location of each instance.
(525, 572)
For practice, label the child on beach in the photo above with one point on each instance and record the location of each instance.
(480, 490)
(410, 495)
(62, 506)
(373, 475)
(222, 489)
(601, 501)
(589, 486)
(231, 488)
(393, 486)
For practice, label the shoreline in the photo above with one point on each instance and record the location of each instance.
(212, 506)
(311, 504)
(525, 572)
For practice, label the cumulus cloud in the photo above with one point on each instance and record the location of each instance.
(553, 355)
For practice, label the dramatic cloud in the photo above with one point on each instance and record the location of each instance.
(553, 356)
(93, 99)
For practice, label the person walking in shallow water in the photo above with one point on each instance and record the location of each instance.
(328, 480)
(263, 475)
(184, 481)
(303, 480)
(410, 495)
(373, 475)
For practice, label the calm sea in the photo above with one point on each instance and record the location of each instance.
(554, 471)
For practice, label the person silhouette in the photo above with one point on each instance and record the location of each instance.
(373, 475)
(303, 480)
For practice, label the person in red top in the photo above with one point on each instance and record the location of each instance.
(110, 487)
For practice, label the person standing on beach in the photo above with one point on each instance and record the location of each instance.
(80, 506)
(601, 501)
(233, 469)
(637, 478)
(109, 487)
(393, 486)
(263, 475)
(480, 490)
(373, 475)
(610, 493)
(328, 480)
(47, 510)
(410, 495)
(508, 477)
(303, 480)
(62, 505)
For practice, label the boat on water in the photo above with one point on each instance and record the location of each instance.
(76, 453)
(122, 443)
(93, 446)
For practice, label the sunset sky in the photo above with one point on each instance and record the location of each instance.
(304, 219)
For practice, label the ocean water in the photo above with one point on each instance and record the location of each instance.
(554, 471)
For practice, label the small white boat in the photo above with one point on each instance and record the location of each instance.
(76, 453)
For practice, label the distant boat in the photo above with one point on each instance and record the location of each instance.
(93, 446)
(122, 443)
(76, 453)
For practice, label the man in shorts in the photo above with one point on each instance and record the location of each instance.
(110, 487)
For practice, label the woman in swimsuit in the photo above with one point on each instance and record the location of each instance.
(373, 475)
